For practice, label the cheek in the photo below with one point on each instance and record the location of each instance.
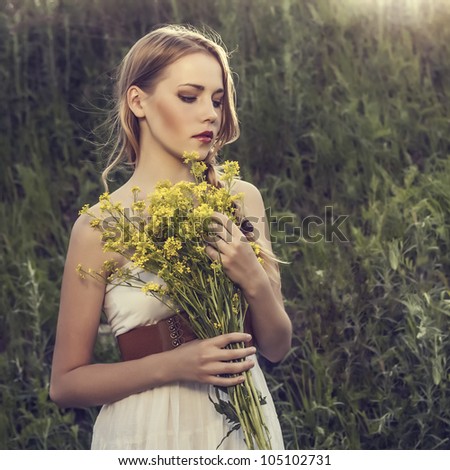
(169, 117)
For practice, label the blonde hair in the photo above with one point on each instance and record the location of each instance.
(143, 66)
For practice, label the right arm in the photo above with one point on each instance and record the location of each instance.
(75, 381)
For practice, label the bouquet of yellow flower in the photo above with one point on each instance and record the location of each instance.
(165, 234)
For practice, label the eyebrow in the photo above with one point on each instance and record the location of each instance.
(201, 87)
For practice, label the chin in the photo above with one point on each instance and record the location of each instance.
(203, 155)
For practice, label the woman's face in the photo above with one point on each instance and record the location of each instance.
(184, 111)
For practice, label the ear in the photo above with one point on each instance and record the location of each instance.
(135, 97)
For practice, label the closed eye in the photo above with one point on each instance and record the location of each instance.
(191, 99)
(187, 99)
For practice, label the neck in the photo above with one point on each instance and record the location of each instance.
(154, 165)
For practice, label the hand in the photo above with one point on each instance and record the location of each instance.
(207, 361)
(229, 246)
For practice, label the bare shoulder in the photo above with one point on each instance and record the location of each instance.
(85, 245)
(83, 232)
(249, 189)
(86, 236)
(252, 201)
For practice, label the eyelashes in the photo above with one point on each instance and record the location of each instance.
(187, 99)
(192, 99)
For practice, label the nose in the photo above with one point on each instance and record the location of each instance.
(210, 113)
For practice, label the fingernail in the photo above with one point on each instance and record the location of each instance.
(249, 337)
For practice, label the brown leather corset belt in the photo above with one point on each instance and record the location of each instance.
(163, 336)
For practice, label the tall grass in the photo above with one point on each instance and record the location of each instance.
(342, 103)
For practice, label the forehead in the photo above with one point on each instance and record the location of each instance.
(199, 68)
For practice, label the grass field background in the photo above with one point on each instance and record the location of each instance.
(344, 104)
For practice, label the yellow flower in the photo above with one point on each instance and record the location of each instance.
(198, 169)
(166, 211)
(109, 235)
(105, 204)
(200, 189)
(109, 265)
(94, 223)
(216, 266)
(162, 185)
(181, 268)
(138, 206)
(84, 209)
(140, 259)
(151, 287)
(172, 246)
(230, 170)
(79, 269)
(190, 157)
(204, 211)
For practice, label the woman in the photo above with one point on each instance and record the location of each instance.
(174, 94)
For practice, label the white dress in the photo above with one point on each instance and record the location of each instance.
(178, 416)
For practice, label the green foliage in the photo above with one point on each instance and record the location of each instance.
(370, 366)
(343, 104)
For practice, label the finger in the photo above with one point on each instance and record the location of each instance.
(219, 245)
(215, 227)
(226, 381)
(225, 222)
(218, 230)
(231, 379)
(212, 238)
(212, 252)
(227, 338)
(234, 368)
(236, 354)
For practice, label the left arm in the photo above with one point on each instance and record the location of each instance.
(271, 324)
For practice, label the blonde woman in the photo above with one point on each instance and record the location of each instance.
(174, 93)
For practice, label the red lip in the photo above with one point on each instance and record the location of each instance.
(208, 134)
